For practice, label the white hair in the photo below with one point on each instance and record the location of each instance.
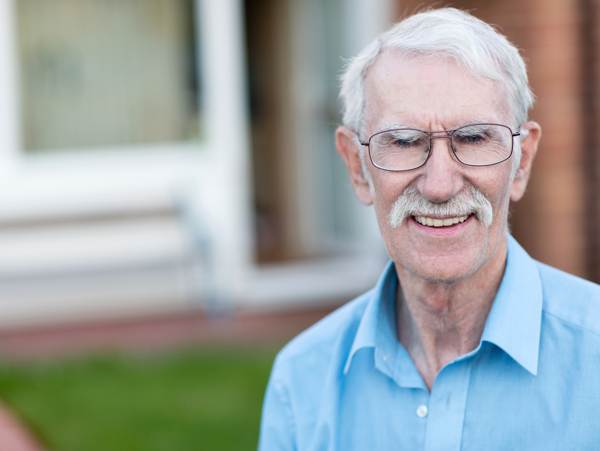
(446, 33)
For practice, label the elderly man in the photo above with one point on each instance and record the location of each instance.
(466, 343)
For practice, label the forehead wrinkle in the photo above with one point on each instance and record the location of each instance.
(472, 121)
(378, 89)
(498, 116)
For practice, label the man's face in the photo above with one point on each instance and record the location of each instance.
(436, 95)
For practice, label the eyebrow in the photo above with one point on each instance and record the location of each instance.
(395, 125)
(472, 121)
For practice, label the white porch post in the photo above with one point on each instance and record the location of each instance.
(223, 75)
(9, 111)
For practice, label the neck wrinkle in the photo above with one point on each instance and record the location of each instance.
(438, 322)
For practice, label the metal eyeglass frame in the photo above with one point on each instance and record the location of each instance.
(448, 135)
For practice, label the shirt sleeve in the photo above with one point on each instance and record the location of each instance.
(277, 431)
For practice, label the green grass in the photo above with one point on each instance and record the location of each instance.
(203, 399)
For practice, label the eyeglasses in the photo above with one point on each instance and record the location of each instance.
(404, 149)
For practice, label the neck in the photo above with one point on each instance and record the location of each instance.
(438, 322)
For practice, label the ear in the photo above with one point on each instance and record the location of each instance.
(529, 146)
(346, 145)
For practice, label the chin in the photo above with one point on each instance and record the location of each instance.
(445, 277)
(442, 270)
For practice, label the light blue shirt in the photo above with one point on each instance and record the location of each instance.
(533, 383)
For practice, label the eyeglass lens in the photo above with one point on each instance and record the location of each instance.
(474, 145)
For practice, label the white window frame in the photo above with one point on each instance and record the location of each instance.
(213, 177)
(93, 182)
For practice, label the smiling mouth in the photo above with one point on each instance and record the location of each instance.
(437, 222)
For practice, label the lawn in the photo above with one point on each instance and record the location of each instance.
(199, 399)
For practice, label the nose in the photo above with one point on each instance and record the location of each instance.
(440, 179)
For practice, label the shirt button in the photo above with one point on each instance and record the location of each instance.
(422, 411)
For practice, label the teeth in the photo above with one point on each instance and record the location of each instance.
(435, 222)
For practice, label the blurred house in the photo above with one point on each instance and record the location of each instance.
(163, 156)
(177, 155)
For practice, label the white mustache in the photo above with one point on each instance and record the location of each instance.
(468, 201)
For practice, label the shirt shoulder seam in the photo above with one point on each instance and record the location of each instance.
(292, 355)
(564, 320)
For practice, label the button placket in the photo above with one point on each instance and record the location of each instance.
(446, 407)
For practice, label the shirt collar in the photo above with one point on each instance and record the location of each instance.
(513, 324)
(369, 327)
(515, 320)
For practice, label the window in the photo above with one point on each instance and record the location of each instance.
(107, 73)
